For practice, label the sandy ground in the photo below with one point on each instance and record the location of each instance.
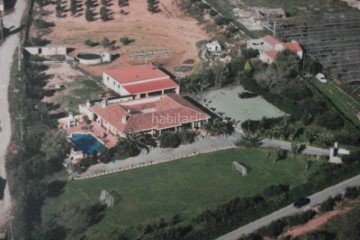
(312, 224)
(226, 100)
(6, 53)
(168, 29)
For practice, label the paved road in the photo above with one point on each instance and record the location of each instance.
(6, 56)
(290, 210)
(287, 146)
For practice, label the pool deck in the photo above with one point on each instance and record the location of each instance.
(97, 131)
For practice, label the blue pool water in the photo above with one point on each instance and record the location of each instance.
(86, 143)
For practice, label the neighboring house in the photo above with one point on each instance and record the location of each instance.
(2, 6)
(269, 46)
(214, 46)
(141, 81)
(47, 50)
(150, 115)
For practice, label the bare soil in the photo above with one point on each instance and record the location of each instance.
(169, 29)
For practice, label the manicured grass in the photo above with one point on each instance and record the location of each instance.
(187, 187)
(342, 101)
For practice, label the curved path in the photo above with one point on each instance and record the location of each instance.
(7, 50)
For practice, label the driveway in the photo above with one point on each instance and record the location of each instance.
(6, 56)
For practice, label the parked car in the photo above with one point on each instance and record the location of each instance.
(321, 77)
(301, 202)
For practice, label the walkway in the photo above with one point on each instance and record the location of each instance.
(160, 155)
(287, 146)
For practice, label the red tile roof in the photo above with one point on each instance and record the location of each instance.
(157, 113)
(272, 40)
(293, 46)
(150, 86)
(136, 73)
(272, 53)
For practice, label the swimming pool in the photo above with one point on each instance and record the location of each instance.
(86, 143)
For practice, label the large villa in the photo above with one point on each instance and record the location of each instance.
(170, 112)
(149, 102)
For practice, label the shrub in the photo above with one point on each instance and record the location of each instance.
(328, 205)
(187, 136)
(169, 140)
(39, 23)
(330, 120)
(300, 218)
(89, 15)
(213, 12)
(90, 43)
(296, 93)
(352, 192)
(220, 20)
(245, 95)
(126, 41)
(104, 15)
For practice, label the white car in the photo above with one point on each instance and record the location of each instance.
(321, 77)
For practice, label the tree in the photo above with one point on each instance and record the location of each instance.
(218, 126)
(73, 7)
(123, 3)
(105, 155)
(105, 42)
(104, 15)
(126, 41)
(325, 138)
(276, 154)
(89, 15)
(221, 74)
(311, 134)
(249, 141)
(55, 147)
(170, 140)
(132, 144)
(330, 120)
(287, 64)
(268, 77)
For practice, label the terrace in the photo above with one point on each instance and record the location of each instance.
(107, 139)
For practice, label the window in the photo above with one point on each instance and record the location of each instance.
(108, 78)
(119, 86)
(142, 95)
(113, 83)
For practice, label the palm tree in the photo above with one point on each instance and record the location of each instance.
(216, 127)
(311, 134)
(132, 144)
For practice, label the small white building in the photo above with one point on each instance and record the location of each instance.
(214, 46)
(269, 46)
(47, 50)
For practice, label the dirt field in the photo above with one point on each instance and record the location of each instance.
(169, 29)
(75, 88)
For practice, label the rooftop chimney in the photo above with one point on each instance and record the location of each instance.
(104, 103)
(124, 119)
(88, 103)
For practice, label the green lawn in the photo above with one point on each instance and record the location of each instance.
(186, 187)
(346, 104)
(81, 91)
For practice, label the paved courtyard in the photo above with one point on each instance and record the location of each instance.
(226, 100)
